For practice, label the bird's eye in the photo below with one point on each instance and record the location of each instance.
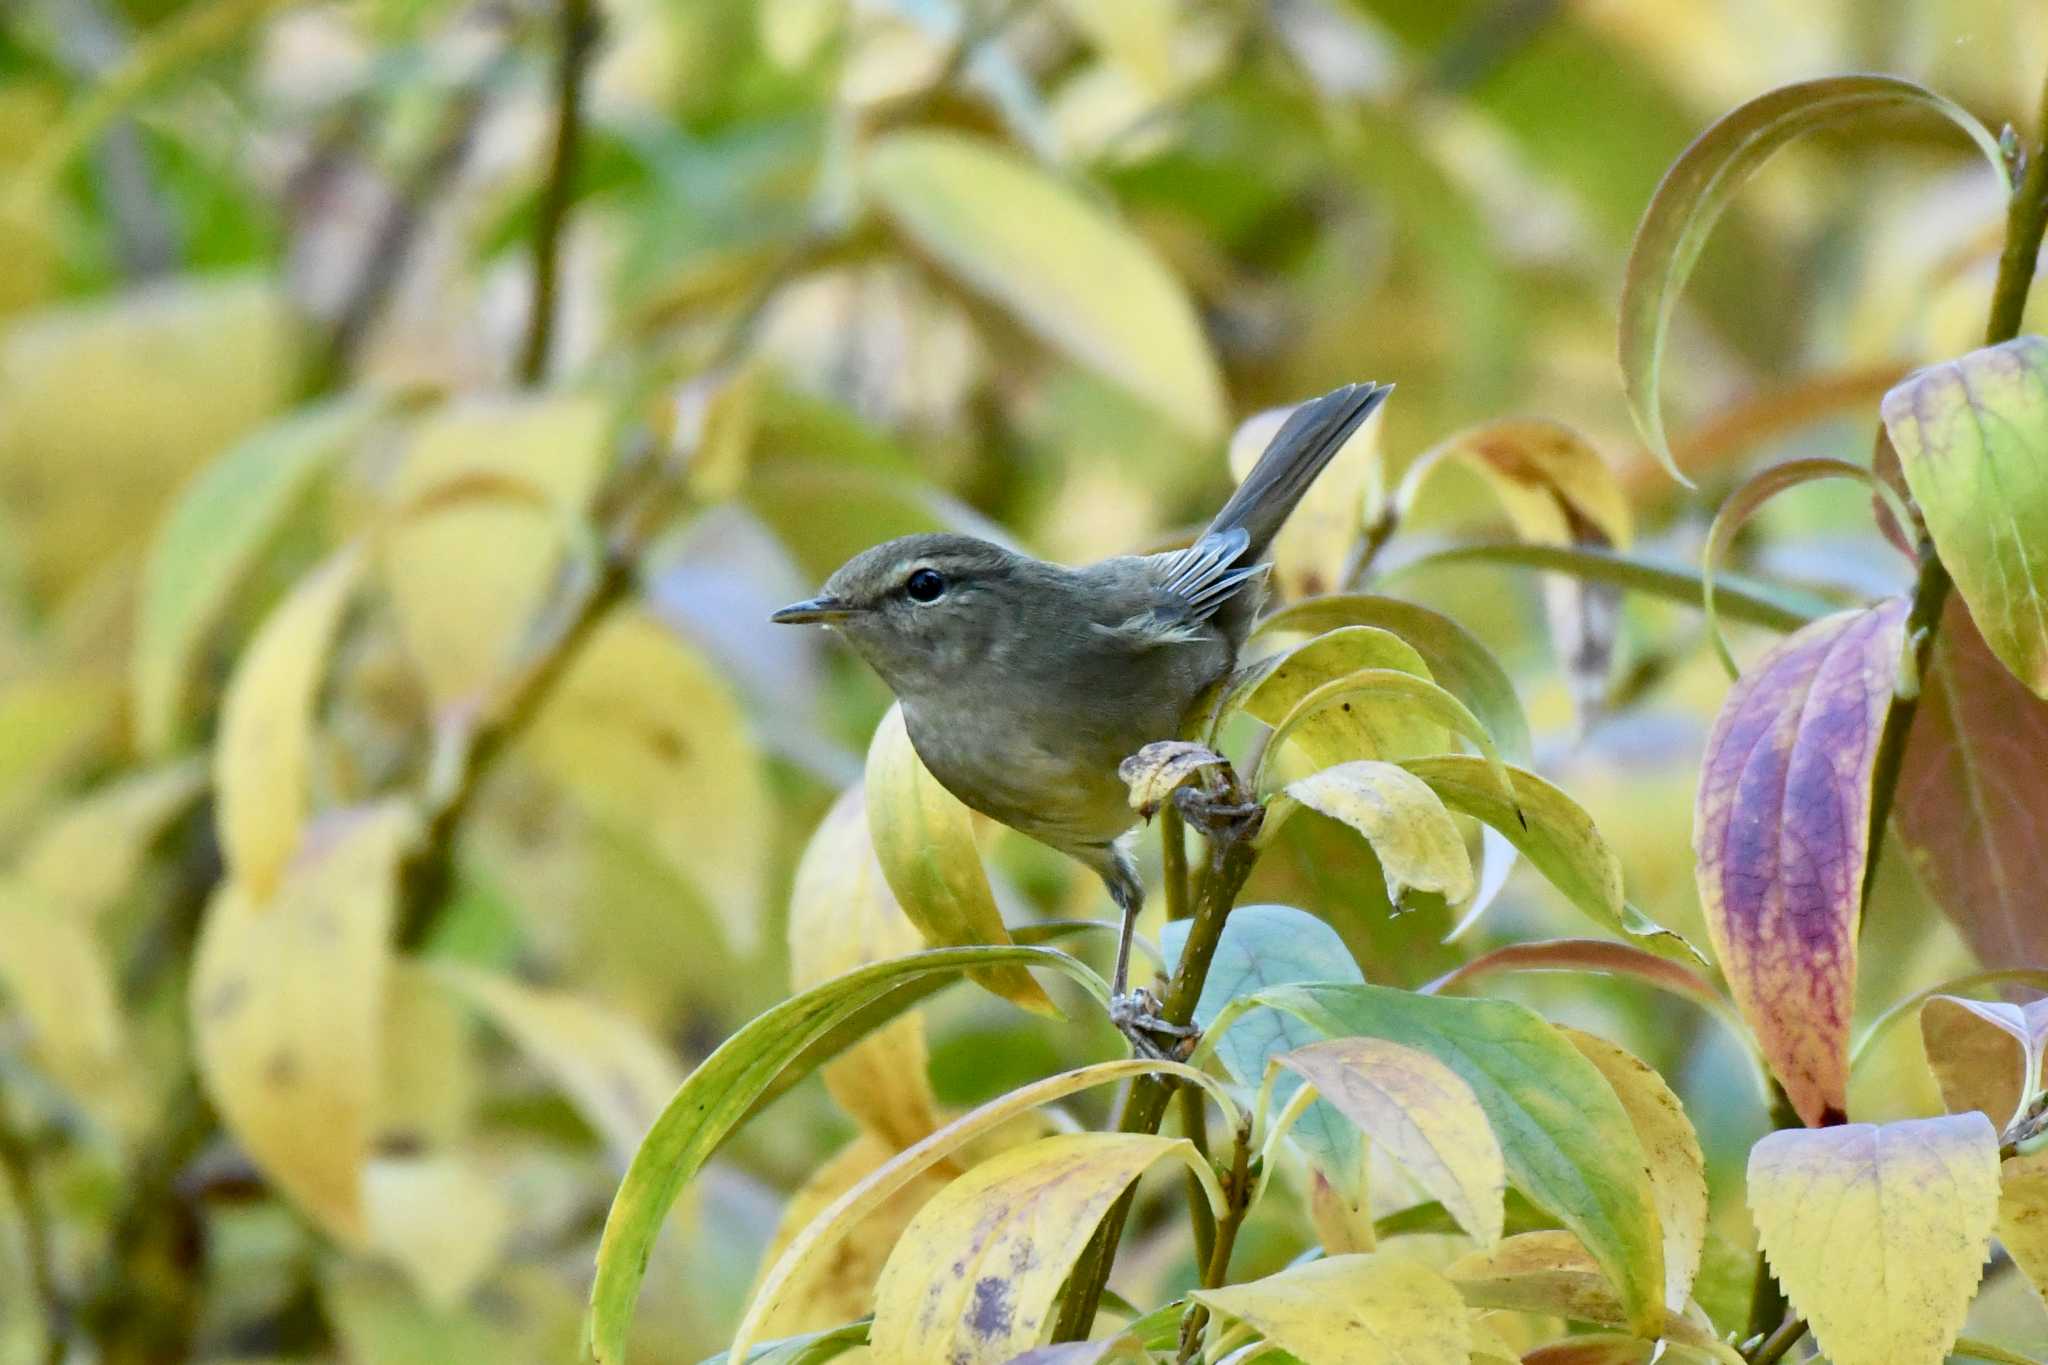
(926, 585)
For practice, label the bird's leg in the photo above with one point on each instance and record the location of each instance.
(1136, 1012)
(1214, 815)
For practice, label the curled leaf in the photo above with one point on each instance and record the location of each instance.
(1748, 499)
(1781, 828)
(1697, 188)
(1155, 771)
(1412, 834)
(1986, 1055)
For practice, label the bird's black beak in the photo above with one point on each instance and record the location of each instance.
(816, 611)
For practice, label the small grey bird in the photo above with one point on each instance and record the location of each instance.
(1025, 684)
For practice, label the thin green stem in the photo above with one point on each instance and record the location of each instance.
(1238, 1189)
(577, 37)
(1173, 860)
(1230, 859)
(1194, 1123)
(1783, 1339)
(2026, 219)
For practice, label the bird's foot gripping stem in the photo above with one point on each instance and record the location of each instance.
(1136, 1015)
(1217, 816)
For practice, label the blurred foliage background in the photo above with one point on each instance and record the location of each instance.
(818, 272)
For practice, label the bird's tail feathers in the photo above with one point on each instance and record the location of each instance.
(1305, 443)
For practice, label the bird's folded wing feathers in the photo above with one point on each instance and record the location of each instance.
(1193, 584)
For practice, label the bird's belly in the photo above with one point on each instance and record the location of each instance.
(1067, 800)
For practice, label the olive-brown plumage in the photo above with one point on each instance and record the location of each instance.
(1024, 684)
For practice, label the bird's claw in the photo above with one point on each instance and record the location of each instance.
(1136, 1016)
(1216, 815)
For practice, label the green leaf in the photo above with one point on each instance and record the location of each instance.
(1972, 437)
(1699, 186)
(1351, 696)
(1262, 946)
(1552, 831)
(720, 1093)
(1454, 656)
(220, 524)
(1744, 503)
(1569, 1143)
(1103, 296)
(1738, 599)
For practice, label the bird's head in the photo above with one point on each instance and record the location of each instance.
(923, 610)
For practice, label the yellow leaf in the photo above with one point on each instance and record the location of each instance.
(828, 1290)
(1985, 1055)
(287, 1007)
(467, 580)
(1104, 297)
(1489, 1346)
(1136, 34)
(980, 1267)
(2023, 1216)
(429, 1079)
(1552, 1273)
(1313, 552)
(1334, 734)
(1418, 844)
(1156, 771)
(1538, 469)
(1421, 1113)
(841, 916)
(1353, 1310)
(106, 406)
(86, 855)
(1340, 1200)
(261, 759)
(1678, 1173)
(57, 981)
(651, 741)
(924, 839)
(1879, 1232)
(439, 1219)
(51, 724)
(820, 1237)
(617, 1077)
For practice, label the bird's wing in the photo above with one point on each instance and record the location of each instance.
(1188, 588)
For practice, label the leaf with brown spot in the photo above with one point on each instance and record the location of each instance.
(1781, 831)
(287, 1005)
(979, 1270)
(1328, 734)
(842, 915)
(1971, 792)
(1552, 1273)
(1985, 1055)
(1353, 1310)
(261, 759)
(2023, 1216)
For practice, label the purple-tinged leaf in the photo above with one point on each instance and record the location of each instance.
(1782, 828)
(1972, 794)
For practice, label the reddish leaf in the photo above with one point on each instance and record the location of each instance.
(1972, 797)
(1781, 828)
